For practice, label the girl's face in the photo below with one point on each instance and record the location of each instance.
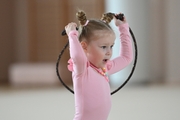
(99, 49)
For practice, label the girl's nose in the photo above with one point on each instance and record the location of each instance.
(109, 51)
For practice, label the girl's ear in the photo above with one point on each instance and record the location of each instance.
(84, 45)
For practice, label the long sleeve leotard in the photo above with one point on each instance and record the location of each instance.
(92, 90)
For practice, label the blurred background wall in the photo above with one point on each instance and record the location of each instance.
(30, 35)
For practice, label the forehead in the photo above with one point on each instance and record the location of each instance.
(103, 36)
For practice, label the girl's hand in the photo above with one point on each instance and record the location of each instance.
(119, 22)
(70, 27)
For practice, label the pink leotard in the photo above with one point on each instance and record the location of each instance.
(92, 90)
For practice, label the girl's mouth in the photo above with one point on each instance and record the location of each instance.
(105, 60)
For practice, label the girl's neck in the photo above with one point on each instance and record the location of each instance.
(94, 66)
(101, 71)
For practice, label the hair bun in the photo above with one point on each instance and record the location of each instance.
(81, 16)
(107, 17)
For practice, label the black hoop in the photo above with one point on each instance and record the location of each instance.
(125, 82)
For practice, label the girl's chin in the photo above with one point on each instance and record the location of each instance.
(102, 66)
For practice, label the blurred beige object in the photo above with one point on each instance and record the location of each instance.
(33, 74)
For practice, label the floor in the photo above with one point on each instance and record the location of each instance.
(141, 102)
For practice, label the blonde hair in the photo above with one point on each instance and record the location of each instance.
(88, 27)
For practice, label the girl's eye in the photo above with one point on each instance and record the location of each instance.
(112, 46)
(103, 47)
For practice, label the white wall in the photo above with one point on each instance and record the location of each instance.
(137, 17)
(156, 25)
(172, 17)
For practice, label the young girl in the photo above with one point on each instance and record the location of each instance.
(90, 52)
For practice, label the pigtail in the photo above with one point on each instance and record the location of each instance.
(107, 17)
(81, 16)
